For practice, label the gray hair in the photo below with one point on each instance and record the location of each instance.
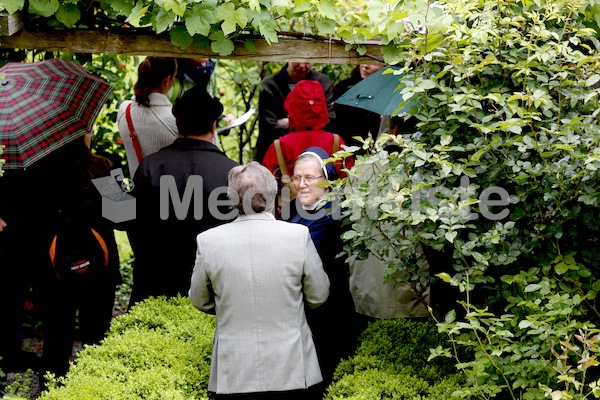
(252, 188)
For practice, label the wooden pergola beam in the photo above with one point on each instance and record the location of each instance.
(136, 43)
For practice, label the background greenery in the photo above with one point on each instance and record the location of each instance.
(507, 101)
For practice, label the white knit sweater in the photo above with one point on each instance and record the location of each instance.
(154, 126)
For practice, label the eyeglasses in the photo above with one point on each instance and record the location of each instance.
(308, 179)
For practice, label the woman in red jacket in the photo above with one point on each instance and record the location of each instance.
(308, 116)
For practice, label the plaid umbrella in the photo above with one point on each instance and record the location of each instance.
(45, 105)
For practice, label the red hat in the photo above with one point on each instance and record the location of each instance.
(306, 107)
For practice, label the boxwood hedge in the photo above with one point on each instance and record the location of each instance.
(392, 363)
(161, 350)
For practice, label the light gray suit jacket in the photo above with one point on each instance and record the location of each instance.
(256, 273)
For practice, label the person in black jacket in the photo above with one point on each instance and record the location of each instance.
(352, 121)
(173, 190)
(56, 189)
(18, 265)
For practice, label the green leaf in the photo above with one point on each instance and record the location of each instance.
(269, 32)
(450, 317)
(434, 41)
(220, 44)
(423, 155)
(231, 17)
(136, 14)
(561, 268)
(445, 140)
(326, 26)
(45, 8)
(199, 22)
(592, 80)
(327, 8)
(250, 45)
(12, 6)
(68, 14)
(164, 20)
(477, 155)
(175, 6)
(180, 37)
(349, 234)
(123, 7)
(201, 42)
(450, 236)
(532, 287)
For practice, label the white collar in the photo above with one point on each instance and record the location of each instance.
(313, 206)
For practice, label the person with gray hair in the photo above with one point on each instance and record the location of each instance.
(251, 190)
(256, 274)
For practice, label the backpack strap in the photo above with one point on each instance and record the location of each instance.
(336, 143)
(280, 160)
(286, 179)
(132, 135)
(52, 253)
(102, 244)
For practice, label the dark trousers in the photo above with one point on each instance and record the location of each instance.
(17, 270)
(303, 394)
(12, 297)
(91, 303)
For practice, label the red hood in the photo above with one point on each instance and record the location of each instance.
(306, 107)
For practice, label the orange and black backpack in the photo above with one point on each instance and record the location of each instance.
(77, 250)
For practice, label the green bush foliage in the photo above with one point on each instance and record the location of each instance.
(159, 350)
(499, 186)
(392, 363)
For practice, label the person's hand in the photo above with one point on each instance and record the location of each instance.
(2, 224)
(283, 123)
(229, 118)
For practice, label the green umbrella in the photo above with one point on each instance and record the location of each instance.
(378, 93)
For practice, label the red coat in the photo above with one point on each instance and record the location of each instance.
(308, 115)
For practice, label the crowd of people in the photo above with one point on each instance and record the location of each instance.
(288, 309)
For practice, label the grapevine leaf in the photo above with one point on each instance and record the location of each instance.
(326, 26)
(180, 37)
(68, 14)
(199, 22)
(122, 7)
(220, 44)
(250, 45)
(163, 21)
(327, 8)
(175, 6)
(13, 6)
(45, 8)
(201, 42)
(136, 14)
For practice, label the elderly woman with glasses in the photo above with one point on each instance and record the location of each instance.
(332, 323)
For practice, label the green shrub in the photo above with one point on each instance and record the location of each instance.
(497, 188)
(159, 350)
(392, 363)
(401, 345)
(375, 384)
(19, 388)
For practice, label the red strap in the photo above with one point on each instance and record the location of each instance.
(132, 135)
